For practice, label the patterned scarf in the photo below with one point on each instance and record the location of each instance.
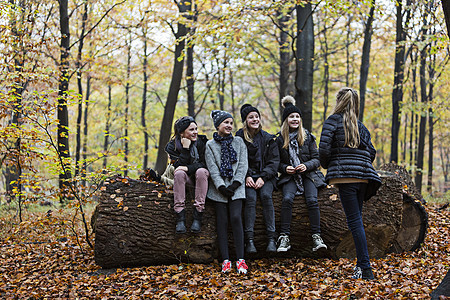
(294, 156)
(228, 155)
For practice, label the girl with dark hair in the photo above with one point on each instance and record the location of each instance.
(186, 150)
(263, 160)
(347, 152)
(226, 158)
(299, 162)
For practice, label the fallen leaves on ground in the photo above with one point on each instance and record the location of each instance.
(41, 258)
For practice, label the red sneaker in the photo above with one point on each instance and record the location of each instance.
(241, 266)
(226, 266)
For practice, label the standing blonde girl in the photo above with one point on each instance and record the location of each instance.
(347, 152)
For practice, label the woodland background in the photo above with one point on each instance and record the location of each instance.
(91, 88)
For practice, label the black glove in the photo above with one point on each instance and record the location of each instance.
(227, 192)
(234, 185)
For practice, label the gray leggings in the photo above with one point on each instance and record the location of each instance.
(234, 209)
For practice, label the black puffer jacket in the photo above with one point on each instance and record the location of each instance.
(270, 158)
(309, 157)
(183, 157)
(346, 162)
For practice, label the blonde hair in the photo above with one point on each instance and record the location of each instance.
(301, 137)
(247, 134)
(347, 104)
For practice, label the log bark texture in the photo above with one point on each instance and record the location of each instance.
(134, 225)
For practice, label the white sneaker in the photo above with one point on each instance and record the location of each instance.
(318, 242)
(283, 243)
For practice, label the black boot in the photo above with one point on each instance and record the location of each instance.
(197, 222)
(181, 220)
(249, 244)
(271, 244)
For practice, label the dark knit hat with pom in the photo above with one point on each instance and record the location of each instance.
(288, 103)
(246, 109)
(219, 116)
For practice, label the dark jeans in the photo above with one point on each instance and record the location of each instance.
(265, 194)
(289, 189)
(234, 208)
(352, 197)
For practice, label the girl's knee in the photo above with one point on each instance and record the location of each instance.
(202, 173)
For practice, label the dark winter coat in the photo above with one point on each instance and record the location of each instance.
(309, 156)
(183, 157)
(345, 162)
(270, 157)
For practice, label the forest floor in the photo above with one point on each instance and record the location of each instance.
(46, 257)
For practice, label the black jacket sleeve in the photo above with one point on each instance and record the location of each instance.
(326, 140)
(284, 156)
(313, 155)
(272, 160)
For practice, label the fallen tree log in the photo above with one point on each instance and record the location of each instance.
(134, 225)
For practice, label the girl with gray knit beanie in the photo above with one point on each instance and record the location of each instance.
(226, 159)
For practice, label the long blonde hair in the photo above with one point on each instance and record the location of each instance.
(301, 137)
(247, 135)
(347, 104)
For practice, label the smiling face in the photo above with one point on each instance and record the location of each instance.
(225, 127)
(294, 121)
(191, 132)
(253, 121)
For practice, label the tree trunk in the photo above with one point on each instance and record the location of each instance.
(423, 95)
(135, 224)
(127, 105)
(108, 117)
(446, 8)
(144, 103)
(78, 65)
(63, 89)
(365, 60)
(284, 58)
(85, 130)
(305, 63)
(397, 93)
(326, 73)
(172, 97)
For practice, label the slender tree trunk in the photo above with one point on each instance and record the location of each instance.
(431, 72)
(144, 103)
(190, 79)
(446, 8)
(233, 107)
(169, 109)
(78, 65)
(347, 50)
(414, 99)
(127, 106)
(365, 60)
(284, 57)
(305, 62)
(108, 117)
(397, 93)
(423, 120)
(63, 89)
(85, 130)
(13, 169)
(326, 73)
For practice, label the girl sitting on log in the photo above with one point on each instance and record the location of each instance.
(347, 152)
(299, 162)
(226, 158)
(263, 160)
(186, 149)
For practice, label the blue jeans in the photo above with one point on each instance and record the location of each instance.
(289, 190)
(265, 194)
(352, 197)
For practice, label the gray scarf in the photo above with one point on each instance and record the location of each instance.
(294, 157)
